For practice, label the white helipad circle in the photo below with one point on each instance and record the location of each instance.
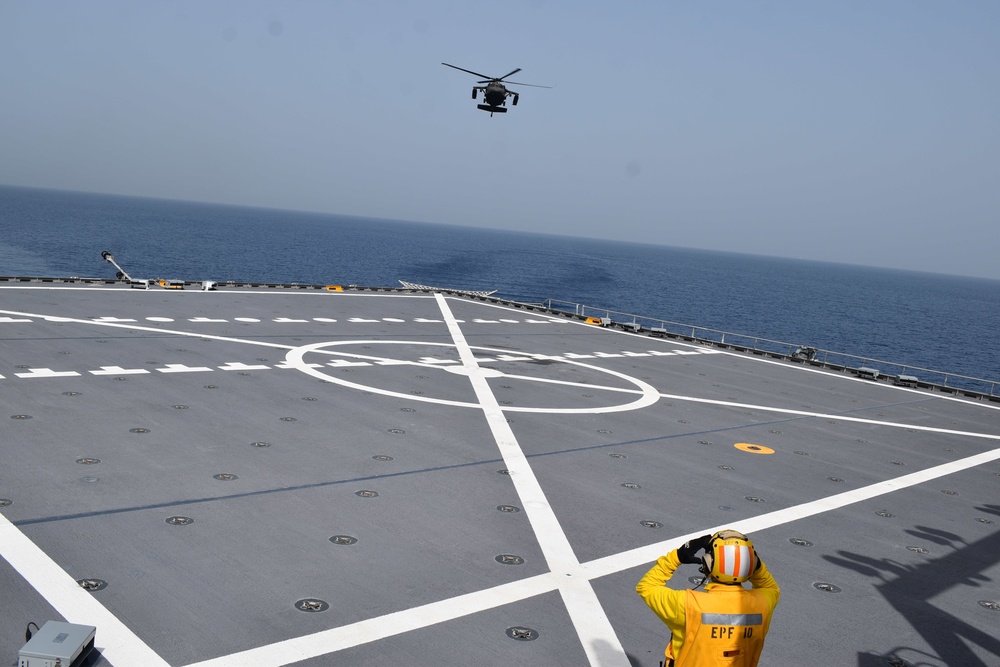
(295, 358)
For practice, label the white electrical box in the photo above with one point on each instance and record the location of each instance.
(58, 644)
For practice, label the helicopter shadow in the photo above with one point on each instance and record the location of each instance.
(910, 589)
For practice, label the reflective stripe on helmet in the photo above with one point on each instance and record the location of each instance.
(735, 560)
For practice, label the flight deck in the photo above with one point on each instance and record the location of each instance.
(263, 476)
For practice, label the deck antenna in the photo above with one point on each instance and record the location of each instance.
(110, 259)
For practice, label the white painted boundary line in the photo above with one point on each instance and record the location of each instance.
(224, 290)
(117, 643)
(348, 636)
(585, 611)
(628, 559)
(781, 364)
(824, 415)
(135, 327)
(373, 629)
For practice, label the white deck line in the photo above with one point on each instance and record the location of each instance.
(337, 639)
(600, 641)
(628, 559)
(117, 643)
(373, 629)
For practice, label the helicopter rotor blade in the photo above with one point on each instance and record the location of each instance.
(533, 85)
(470, 71)
(509, 73)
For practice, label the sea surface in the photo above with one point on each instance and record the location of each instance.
(917, 320)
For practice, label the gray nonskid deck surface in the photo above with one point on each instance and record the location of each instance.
(435, 474)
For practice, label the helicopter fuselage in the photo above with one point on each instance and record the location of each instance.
(495, 94)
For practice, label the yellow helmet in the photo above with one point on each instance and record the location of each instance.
(730, 557)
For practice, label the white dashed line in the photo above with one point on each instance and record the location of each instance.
(46, 373)
(118, 370)
(181, 368)
(238, 366)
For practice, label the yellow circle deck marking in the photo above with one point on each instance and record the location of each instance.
(753, 449)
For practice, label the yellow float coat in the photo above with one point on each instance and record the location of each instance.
(723, 625)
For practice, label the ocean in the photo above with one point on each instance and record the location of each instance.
(916, 320)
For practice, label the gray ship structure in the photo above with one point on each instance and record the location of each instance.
(231, 475)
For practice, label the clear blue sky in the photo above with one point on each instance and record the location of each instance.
(864, 132)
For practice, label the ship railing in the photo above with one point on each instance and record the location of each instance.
(898, 373)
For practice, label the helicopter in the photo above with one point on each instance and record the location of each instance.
(495, 93)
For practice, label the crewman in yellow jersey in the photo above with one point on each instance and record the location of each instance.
(726, 623)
